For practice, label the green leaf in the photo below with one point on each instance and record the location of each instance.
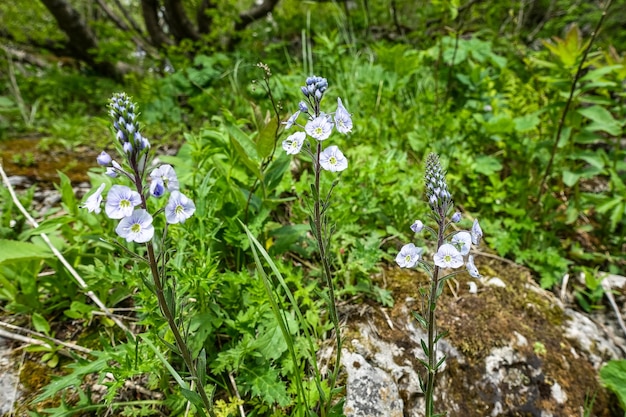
(249, 163)
(267, 139)
(21, 251)
(268, 386)
(526, 123)
(487, 165)
(183, 385)
(613, 376)
(602, 120)
(570, 178)
(67, 193)
(420, 319)
(40, 323)
(616, 215)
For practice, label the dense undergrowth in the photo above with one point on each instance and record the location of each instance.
(542, 165)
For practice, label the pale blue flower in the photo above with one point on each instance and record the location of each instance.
(477, 232)
(166, 174)
(448, 257)
(332, 159)
(293, 143)
(292, 119)
(417, 226)
(157, 188)
(92, 204)
(409, 256)
(343, 121)
(128, 147)
(104, 159)
(137, 227)
(121, 201)
(179, 208)
(111, 172)
(462, 241)
(471, 268)
(319, 128)
(303, 107)
(456, 217)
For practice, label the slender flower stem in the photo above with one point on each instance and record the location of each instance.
(165, 308)
(171, 321)
(432, 328)
(317, 218)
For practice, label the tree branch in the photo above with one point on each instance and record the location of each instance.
(82, 40)
(149, 9)
(179, 22)
(255, 13)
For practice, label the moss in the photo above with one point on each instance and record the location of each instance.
(34, 376)
(496, 317)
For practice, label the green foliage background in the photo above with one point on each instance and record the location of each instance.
(483, 85)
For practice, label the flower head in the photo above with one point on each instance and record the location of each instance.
(167, 176)
(448, 257)
(319, 128)
(293, 143)
(92, 204)
(476, 232)
(137, 227)
(471, 268)
(436, 187)
(456, 217)
(332, 159)
(343, 121)
(462, 241)
(409, 256)
(315, 87)
(121, 201)
(179, 208)
(417, 226)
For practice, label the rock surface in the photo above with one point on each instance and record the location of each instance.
(8, 379)
(512, 350)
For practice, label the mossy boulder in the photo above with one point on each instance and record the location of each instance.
(513, 349)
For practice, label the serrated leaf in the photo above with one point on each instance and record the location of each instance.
(269, 387)
(13, 250)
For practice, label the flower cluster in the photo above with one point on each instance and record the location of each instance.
(319, 126)
(453, 251)
(130, 205)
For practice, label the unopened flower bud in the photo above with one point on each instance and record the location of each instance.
(417, 226)
(104, 159)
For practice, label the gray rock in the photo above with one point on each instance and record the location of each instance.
(9, 381)
(512, 350)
